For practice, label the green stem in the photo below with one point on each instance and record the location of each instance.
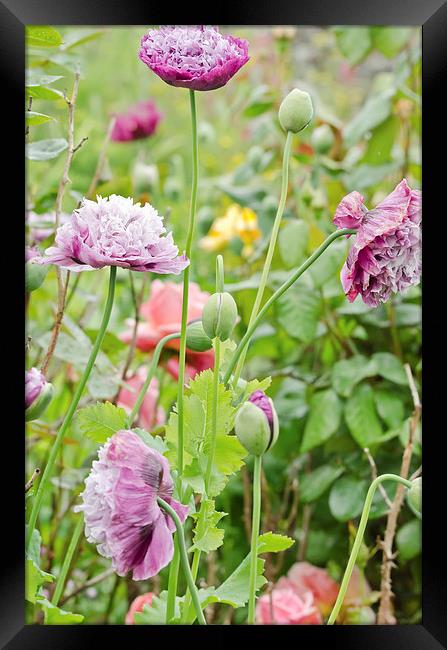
(271, 248)
(151, 372)
(279, 292)
(188, 611)
(184, 558)
(256, 520)
(67, 561)
(189, 238)
(72, 408)
(359, 538)
(172, 582)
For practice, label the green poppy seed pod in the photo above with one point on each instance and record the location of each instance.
(256, 424)
(322, 139)
(219, 316)
(196, 339)
(34, 275)
(296, 111)
(415, 494)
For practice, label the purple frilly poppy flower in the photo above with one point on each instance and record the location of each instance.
(386, 254)
(194, 57)
(115, 231)
(122, 516)
(35, 382)
(139, 121)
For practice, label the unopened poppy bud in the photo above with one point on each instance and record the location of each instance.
(415, 494)
(34, 276)
(256, 424)
(196, 339)
(296, 111)
(322, 138)
(219, 316)
(38, 394)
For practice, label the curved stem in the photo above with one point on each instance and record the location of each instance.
(359, 538)
(256, 520)
(279, 292)
(67, 561)
(172, 582)
(189, 237)
(184, 558)
(72, 408)
(271, 248)
(151, 372)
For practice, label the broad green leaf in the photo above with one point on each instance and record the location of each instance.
(347, 497)
(381, 142)
(373, 112)
(315, 484)
(390, 40)
(361, 416)
(299, 311)
(207, 537)
(293, 241)
(34, 79)
(390, 407)
(45, 149)
(41, 92)
(274, 543)
(328, 265)
(42, 36)
(55, 616)
(32, 118)
(101, 420)
(81, 37)
(409, 540)
(365, 176)
(35, 577)
(155, 442)
(354, 43)
(324, 418)
(347, 373)
(229, 454)
(390, 367)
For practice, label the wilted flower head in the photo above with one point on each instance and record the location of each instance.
(38, 393)
(115, 231)
(194, 57)
(122, 516)
(139, 121)
(386, 255)
(285, 607)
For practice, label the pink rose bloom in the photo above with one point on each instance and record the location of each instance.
(386, 254)
(285, 607)
(150, 415)
(304, 577)
(121, 513)
(163, 315)
(139, 121)
(137, 606)
(115, 231)
(194, 57)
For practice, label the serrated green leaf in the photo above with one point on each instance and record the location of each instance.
(324, 418)
(155, 442)
(34, 578)
(101, 420)
(347, 497)
(315, 484)
(55, 616)
(390, 367)
(349, 372)
(155, 613)
(207, 537)
(42, 36)
(274, 543)
(361, 416)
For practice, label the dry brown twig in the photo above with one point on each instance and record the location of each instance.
(382, 490)
(65, 179)
(29, 484)
(89, 583)
(386, 614)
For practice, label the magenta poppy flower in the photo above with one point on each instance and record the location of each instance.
(194, 57)
(386, 254)
(138, 122)
(115, 231)
(122, 516)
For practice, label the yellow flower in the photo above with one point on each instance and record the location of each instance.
(237, 222)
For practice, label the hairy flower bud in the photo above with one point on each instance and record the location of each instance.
(415, 494)
(38, 394)
(256, 424)
(296, 111)
(219, 316)
(322, 138)
(34, 273)
(196, 339)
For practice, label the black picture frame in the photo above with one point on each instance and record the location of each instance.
(432, 16)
